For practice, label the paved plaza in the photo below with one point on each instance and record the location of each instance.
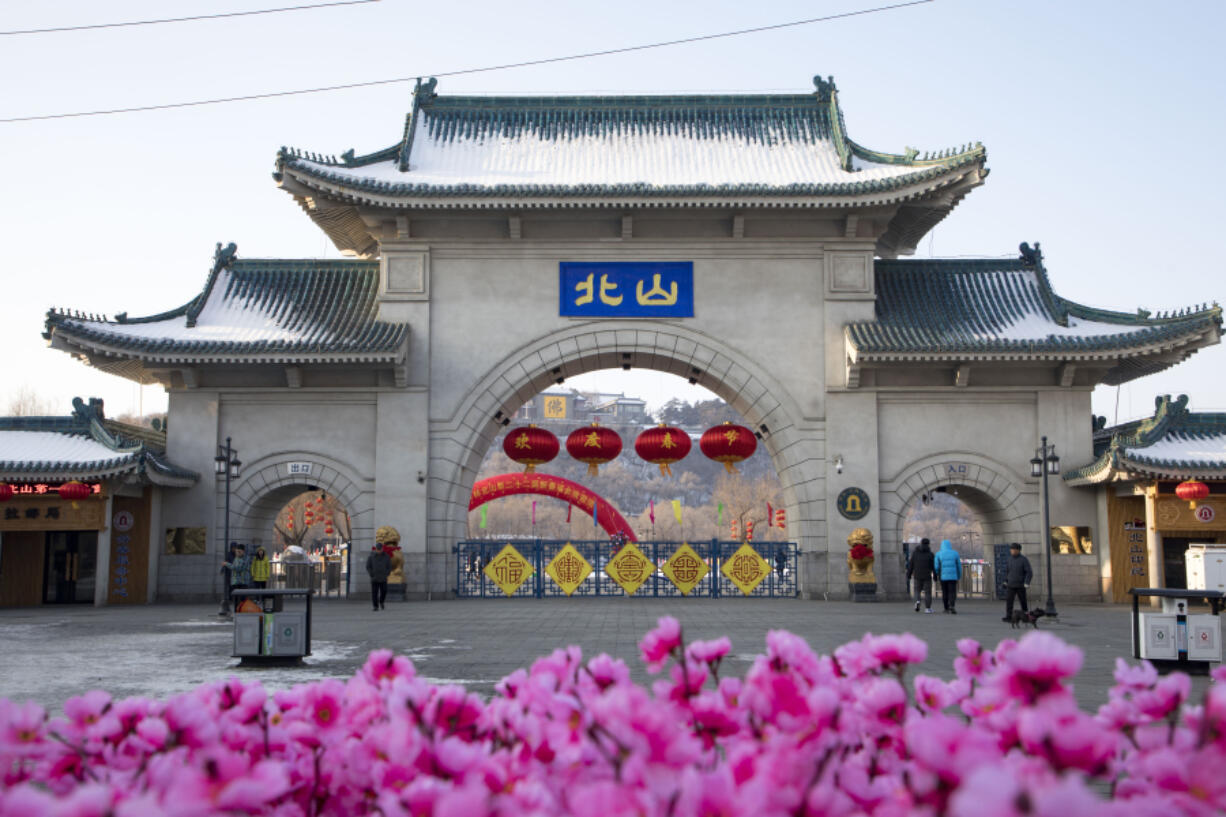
(52, 653)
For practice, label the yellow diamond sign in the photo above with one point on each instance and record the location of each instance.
(746, 569)
(568, 569)
(685, 569)
(509, 570)
(629, 568)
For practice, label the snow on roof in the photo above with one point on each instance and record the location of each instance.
(653, 158)
(1179, 446)
(62, 450)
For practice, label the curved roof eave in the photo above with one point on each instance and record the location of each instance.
(851, 195)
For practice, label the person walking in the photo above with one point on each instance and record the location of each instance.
(260, 569)
(378, 566)
(1017, 578)
(240, 568)
(921, 571)
(948, 568)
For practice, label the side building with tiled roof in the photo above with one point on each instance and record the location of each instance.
(101, 544)
(1134, 475)
(745, 243)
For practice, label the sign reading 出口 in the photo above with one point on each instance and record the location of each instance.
(626, 289)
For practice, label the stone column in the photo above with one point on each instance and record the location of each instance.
(1153, 542)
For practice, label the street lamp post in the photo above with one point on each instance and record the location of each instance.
(1046, 462)
(226, 465)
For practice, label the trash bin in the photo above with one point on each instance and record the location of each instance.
(298, 576)
(332, 576)
(270, 632)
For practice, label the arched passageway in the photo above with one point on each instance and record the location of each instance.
(794, 443)
(1003, 503)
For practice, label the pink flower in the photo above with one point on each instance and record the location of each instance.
(1038, 666)
(973, 661)
(709, 652)
(933, 694)
(659, 644)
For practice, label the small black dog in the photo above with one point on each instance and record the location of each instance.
(1023, 617)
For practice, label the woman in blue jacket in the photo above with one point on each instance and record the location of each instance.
(948, 567)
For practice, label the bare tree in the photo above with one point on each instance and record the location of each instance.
(29, 403)
(310, 515)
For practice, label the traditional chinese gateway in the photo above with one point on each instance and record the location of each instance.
(746, 243)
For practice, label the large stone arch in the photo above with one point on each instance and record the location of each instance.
(1005, 502)
(796, 445)
(264, 486)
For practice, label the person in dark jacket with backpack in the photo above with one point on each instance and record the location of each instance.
(921, 571)
(948, 568)
(1017, 578)
(379, 566)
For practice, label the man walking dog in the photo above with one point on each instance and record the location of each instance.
(1017, 578)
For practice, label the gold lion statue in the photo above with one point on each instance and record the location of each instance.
(860, 556)
(389, 537)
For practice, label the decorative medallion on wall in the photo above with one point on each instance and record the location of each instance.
(853, 503)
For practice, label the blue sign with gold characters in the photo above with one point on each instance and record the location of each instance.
(626, 289)
(853, 503)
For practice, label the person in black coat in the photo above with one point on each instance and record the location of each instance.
(920, 571)
(379, 566)
(1017, 578)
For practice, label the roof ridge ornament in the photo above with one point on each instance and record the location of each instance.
(824, 87)
(1031, 257)
(86, 412)
(224, 258)
(423, 92)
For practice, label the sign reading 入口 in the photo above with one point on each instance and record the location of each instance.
(626, 289)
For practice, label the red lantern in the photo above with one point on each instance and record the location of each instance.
(728, 443)
(663, 446)
(530, 446)
(594, 445)
(1192, 491)
(781, 518)
(328, 529)
(749, 530)
(74, 490)
(6, 492)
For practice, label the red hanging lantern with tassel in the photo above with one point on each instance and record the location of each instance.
(663, 446)
(530, 446)
(74, 490)
(1192, 490)
(595, 445)
(728, 443)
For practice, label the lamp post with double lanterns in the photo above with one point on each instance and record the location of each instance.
(226, 464)
(1046, 462)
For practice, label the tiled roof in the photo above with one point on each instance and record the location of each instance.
(641, 147)
(1173, 444)
(983, 309)
(81, 446)
(262, 310)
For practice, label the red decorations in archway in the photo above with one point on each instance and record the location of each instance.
(6, 492)
(1192, 490)
(530, 446)
(663, 446)
(728, 443)
(547, 485)
(594, 445)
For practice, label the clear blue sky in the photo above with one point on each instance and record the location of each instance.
(1102, 121)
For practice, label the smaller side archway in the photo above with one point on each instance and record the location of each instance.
(1006, 506)
(265, 486)
(502, 485)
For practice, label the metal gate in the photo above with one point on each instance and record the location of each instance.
(473, 555)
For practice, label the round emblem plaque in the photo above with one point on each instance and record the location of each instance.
(853, 503)
(124, 521)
